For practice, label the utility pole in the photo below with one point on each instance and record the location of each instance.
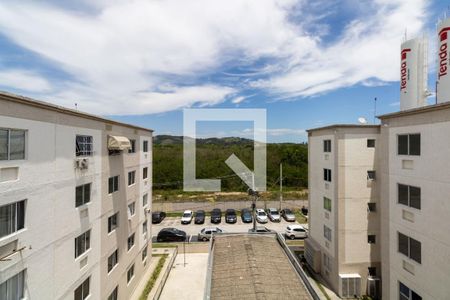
(281, 184)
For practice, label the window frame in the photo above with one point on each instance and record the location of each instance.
(407, 202)
(326, 201)
(130, 269)
(408, 146)
(85, 240)
(371, 239)
(8, 143)
(133, 146)
(144, 253)
(145, 200)
(327, 146)
(82, 287)
(327, 175)
(371, 206)
(409, 247)
(131, 208)
(145, 173)
(114, 294)
(130, 241)
(371, 175)
(113, 260)
(16, 217)
(371, 143)
(327, 233)
(131, 177)
(16, 282)
(111, 223)
(145, 146)
(144, 225)
(83, 194)
(113, 184)
(411, 293)
(80, 151)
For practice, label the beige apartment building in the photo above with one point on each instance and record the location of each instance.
(415, 206)
(344, 224)
(75, 195)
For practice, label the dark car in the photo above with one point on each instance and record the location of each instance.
(304, 211)
(158, 216)
(246, 215)
(171, 235)
(216, 216)
(199, 217)
(230, 216)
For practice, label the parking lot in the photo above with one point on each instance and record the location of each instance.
(193, 229)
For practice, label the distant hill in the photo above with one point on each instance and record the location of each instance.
(211, 154)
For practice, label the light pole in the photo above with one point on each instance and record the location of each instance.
(255, 195)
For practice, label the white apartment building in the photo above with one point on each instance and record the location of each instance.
(75, 192)
(415, 209)
(344, 223)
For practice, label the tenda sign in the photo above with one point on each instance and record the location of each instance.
(443, 52)
(404, 69)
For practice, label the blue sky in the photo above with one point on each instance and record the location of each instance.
(309, 63)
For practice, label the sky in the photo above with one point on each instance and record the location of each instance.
(308, 63)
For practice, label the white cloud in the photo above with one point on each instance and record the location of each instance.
(23, 80)
(137, 57)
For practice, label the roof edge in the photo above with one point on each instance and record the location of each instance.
(7, 96)
(414, 111)
(343, 126)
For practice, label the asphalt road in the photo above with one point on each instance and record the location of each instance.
(192, 229)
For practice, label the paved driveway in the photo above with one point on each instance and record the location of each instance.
(193, 229)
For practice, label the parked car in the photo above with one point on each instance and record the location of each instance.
(230, 216)
(246, 215)
(261, 216)
(274, 215)
(216, 216)
(187, 216)
(288, 215)
(199, 217)
(206, 233)
(295, 231)
(158, 216)
(261, 229)
(171, 235)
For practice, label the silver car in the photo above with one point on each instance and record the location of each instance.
(206, 233)
(288, 215)
(273, 214)
(295, 231)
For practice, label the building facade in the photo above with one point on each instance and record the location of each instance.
(344, 223)
(75, 192)
(415, 187)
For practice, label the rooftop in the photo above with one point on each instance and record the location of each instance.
(417, 110)
(343, 126)
(253, 266)
(6, 96)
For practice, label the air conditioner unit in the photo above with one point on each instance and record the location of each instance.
(373, 287)
(82, 163)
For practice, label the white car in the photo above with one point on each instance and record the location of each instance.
(207, 232)
(261, 216)
(295, 231)
(274, 215)
(187, 216)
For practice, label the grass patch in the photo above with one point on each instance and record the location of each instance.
(163, 245)
(300, 217)
(154, 277)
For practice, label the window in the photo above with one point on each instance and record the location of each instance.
(327, 146)
(82, 194)
(145, 146)
(83, 145)
(410, 247)
(130, 273)
(145, 173)
(371, 239)
(371, 207)
(130, 241)
(113, 222)
(405, 293)
(327, 262)
(327, 232)
(12, 218)
(133, 146)
(113, 184)
(370, 143)
(327, 175)
(408, 144)
(13, 287)
(114, 294)
(327, 203)
(144, 227)
(113, 260)
(131, 177)
(12, 144)
(409, 195)
(82, 292)
(144, 200)
(82, 243)
(371, 175)
(131, 209)
(144, 253)
(372, 271)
